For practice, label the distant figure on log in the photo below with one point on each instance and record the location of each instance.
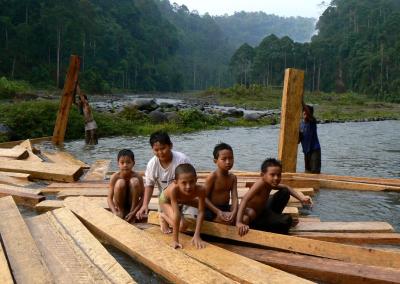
(90, 123)
(309, 141)
(125, 196)
(261, 211)
(221, 186)
(183, 191)
(160, 170)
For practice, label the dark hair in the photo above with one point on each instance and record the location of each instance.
(126, 153)
(161, 137)
(270, 162)
(184, 169)
(310, 109)
(220, 147)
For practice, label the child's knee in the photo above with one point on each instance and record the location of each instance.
(134, 182)
(120, 185)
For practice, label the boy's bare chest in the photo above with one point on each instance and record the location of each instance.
(223, 184)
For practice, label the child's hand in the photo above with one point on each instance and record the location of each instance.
(176, 245)
(142, 213)
(242, 228)
(198, 243)
(221, 215)
(228, 216)
(130, 217)
(306, 200)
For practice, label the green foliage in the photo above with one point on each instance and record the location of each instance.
(8, 88)
(195, 119)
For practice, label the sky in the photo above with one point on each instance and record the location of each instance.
(286, 8)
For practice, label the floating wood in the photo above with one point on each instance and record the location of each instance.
(97, 171)
(232, 265)
(24, 257)
(5, 273)
(162, 259)
(67, 97)
(65, 158)
(319, 269)
(344, 227)
(21, 195)
(33, 141)
(17, 154)
(352, 238)
(46, 171)
(293, 89)
(336, 251)
(72, 253)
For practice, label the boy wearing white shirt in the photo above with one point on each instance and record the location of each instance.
(160, 169)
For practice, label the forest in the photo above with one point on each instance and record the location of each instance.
(153, 45)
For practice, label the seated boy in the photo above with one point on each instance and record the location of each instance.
(262, 212)
(125, 196)
(160, 170)
(220, 186)
(183, 190)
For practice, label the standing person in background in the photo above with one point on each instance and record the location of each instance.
(309, 141)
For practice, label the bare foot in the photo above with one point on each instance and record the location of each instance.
(164, 226)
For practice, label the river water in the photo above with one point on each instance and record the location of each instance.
(369, 149)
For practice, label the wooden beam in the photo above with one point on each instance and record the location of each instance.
(232, 265)
(18, 154)
(292, 98)
(319, 269)
(21, 176)
(336, 251)
(48, 205)
(344, 227)
(67, 97)
(352, 238)
(24, 257)
(162, 259)
(97, 171)
(72, 253)
(5, 179)
(20, 189)
(46, 171)
(5, 273)
(62, 157)
(337, 184)
(21, 195)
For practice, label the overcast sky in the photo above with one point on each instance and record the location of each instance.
(304, 8)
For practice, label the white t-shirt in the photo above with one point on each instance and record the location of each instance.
(156, 175)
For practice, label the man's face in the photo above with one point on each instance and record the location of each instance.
(162, 151)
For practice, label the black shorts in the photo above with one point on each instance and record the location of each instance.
(210, 216)
(312, 161)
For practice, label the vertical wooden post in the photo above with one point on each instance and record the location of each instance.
(290, 118)
(66, 100)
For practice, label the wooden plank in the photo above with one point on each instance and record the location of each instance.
(18, 154)
(352, 238)
(344, 227)
(293, 182)
(66, 190)
(336, 251)
(232, 265)
(24, 257)
(21, 195)
(318, 269)
(72, 253)
(82, 192)
(103, 184)
(13, 180)
(48, 205)
(67, 97)
(21, 176)
(63, 157)
(33, 141)
(31, 157)
(162, 259)
(20, 189)
(5, 273)
(336, 184)
(97, 171)
(292, 98)
(46, 171)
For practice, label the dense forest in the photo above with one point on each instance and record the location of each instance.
(356, 49)
(141, 45)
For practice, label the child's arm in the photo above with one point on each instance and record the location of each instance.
(235, 200)
(110, 194)
(196, 240)
(176, 220)
(297, 194)
(243, 228)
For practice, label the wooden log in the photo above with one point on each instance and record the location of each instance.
(72, 253)
(232, 265)
(33, 141)
(162, 259)
(24, 257)
(5, 273)
(21, 195)
(336, 251)
(344, 227)
(97, 171)
(18, 154)
(67, 97)
(352, 238)
(46, 171)
(292, 98)
(319, 269)
(63, 157)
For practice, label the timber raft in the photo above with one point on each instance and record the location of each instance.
(63, 243)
